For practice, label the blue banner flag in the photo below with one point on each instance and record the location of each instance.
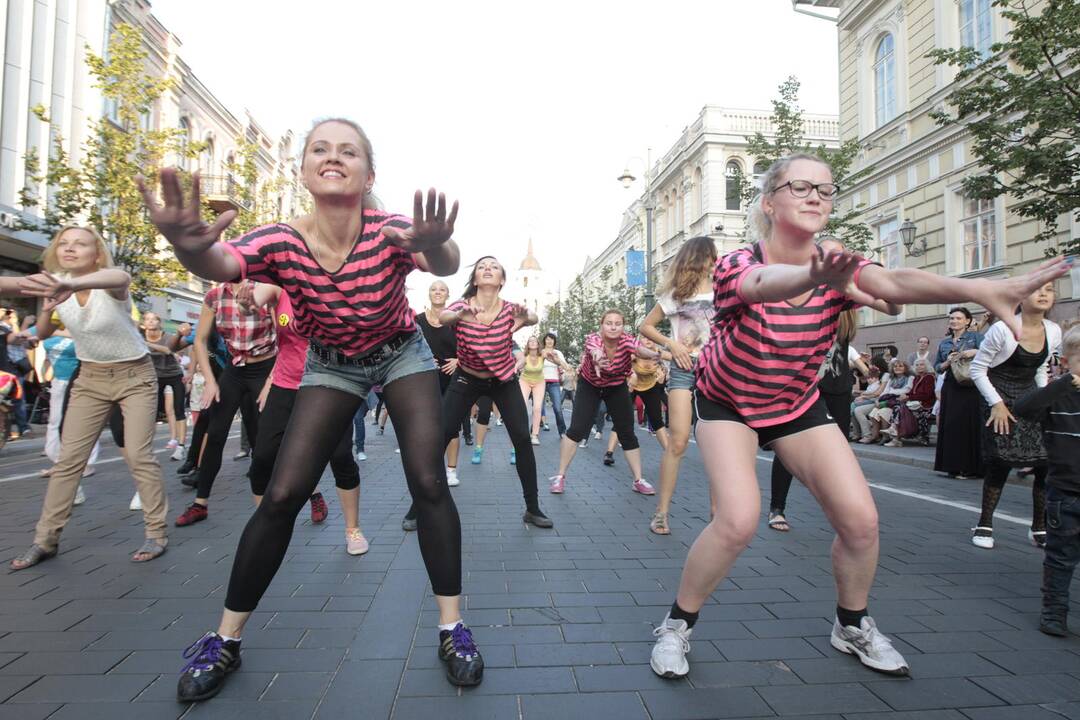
(635, 268)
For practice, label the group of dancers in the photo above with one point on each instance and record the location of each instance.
(338, 277)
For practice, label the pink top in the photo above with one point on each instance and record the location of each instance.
(353, 309)
(292, 348)
(762, 359)
(615, 370)
(487, 348)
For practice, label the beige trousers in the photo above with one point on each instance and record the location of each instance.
(99, 386)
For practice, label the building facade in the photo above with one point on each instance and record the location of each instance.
(533, 287)
(888, 88)
(694, 188)
(44, 54)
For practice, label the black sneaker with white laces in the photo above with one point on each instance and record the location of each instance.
(464, 665)
(210, 659)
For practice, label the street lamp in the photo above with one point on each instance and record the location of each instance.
(627, 179)
(907, 235)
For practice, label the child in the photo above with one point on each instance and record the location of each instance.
(1057, 408)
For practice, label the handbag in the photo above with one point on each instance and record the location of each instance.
(961, 370)
(906, 424)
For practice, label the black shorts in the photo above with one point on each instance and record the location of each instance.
(815, 415)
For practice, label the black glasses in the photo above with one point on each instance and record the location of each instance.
(802, 188)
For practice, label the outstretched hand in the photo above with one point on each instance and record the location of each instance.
(44, 284)
(1001, 297)
(431, 226)
(835, 268)
(181, 222)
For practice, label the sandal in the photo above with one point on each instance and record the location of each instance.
(658, 524)
(154, 547)
(777, 522)
(32, 557)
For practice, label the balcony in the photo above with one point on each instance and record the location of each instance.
(223, 192)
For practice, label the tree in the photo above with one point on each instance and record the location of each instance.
(1020, 103)
(577, 315)
(102, 188)
(787, 119)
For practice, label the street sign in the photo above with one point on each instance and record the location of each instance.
(635, 268)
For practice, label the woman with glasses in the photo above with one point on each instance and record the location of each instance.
(778, 304)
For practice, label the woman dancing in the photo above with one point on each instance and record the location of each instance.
(755, 390)
(606, 363)
(92, 301)
(485, 324)
(343, 267)
(533, 384)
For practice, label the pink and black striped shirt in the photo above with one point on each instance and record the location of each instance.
(616, 369)
(762, 359)
(487, 348)
(353, 309)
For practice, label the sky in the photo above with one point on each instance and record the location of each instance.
(525, 113)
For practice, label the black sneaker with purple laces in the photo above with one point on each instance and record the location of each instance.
(210, 659)
(464, 665)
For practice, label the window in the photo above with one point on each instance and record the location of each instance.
(975, 25)
(888, 237)
(698, 205)
(731, 181)
(978, 231)
(184, 146)
(885, 81)
(206, 162)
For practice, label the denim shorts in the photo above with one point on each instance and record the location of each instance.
(679, 379)
(411, 358)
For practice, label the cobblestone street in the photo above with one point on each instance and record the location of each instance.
(563, 617)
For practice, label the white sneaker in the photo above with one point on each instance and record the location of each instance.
(873, 649)
(672, 644)
(361, 456)
(597, 435)
(535, 439)
(983, 541)
(179, 453)
(583, 443)
(498, 421)
(136, 502)
(80, 496)
(451, 477)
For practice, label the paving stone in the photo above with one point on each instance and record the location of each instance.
(1032, 689)
(952, 642)
(28, 711)
(566, 654)
(742, 674)
(64, 663)
(620, 706)
(84, 688)
(801, 627)
(607, 678)
(118, 711)
(812, 699)
(917, 694)
(704, 704)
(12, 684)
(240, 710)
(774, 649)
(466, 707)
(1014, 712)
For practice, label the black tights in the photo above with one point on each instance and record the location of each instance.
(464, 391)
(236, 383)
(413, 402)
(994, 483)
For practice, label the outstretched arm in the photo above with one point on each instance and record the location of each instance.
(428, 239)
(57, 289)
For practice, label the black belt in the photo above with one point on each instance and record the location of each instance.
(370, 358)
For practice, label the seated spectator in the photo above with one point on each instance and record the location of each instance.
(872, 418)
(920, 403)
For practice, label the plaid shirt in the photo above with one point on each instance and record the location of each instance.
(247, 336)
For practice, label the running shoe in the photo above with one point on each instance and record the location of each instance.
(983, 537)
(382, 430)
(477, 454)
(643, 487)
(557, 484)
(408, 524)
(584, 443)
(80, 496)
(361, 456)
(355, 542)
(534, 439)
(546, 427)
(319, 511)
(171, 445)
(187, 468)
(190, 481)
(498, 421)
(609, 458)
(597, 435)
(178, 453)
(194, 513)
(672, 645)
(241, 455)
(451, 477)
(136, 502)
(464, 665)
(513, 457)
(537, 518)
(873, 649)
(210, 659)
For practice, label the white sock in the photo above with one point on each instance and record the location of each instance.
(450, 626)
(229, 639)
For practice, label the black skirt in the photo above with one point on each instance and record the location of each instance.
(959, 439)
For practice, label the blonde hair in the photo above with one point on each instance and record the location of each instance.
(1070, 342)
(539, 345)
(51, 263)
(370, 201)
(695, 259)
(760, 224)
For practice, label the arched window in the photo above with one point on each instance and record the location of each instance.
(732, 173)
(206, 162)
(760, 168)
(184, 145)
(885, 80)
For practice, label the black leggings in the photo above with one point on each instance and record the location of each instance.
(653, 399)
(465, 390)
(483, 411)
(994, 482)
(178, 397)
(272, 423)
(587, 400)
(839, 406)
(236, 383)
(414, 403)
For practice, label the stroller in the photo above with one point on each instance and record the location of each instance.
(10, 390)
